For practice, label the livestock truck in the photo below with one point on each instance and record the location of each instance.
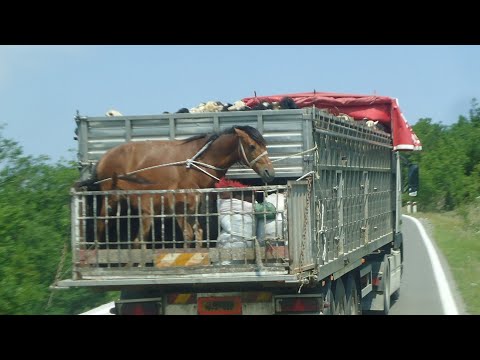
(333, 245)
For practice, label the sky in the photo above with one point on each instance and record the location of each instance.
(42, 87)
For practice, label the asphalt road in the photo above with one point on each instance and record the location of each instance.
(419, 292)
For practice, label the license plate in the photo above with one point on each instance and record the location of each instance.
(228, 305)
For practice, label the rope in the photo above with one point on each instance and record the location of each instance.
(205, 147)
(300, 153)
(204, 171)
(206, 165)
(245, 156)
(144, 169)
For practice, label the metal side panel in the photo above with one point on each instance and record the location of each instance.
(299, 227)
(354, 192)
(287, 132)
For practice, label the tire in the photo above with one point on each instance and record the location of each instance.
(353, 301)
(386, 287)
(329, 298)
(340, 298)
(396, 295)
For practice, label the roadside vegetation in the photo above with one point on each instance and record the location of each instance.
(449, 195)
(34, 227)
(457, 234)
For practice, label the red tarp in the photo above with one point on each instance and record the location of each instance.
(372, 107)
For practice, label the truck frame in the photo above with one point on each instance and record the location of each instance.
(339, 249)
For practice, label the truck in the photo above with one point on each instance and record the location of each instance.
(333, 244)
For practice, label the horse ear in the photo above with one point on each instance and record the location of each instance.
(242, 134)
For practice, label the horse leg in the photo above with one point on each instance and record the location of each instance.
(188, 221)
(186, 228)
(197, 228)
(102, 222)
(101, 226)
(145, 227)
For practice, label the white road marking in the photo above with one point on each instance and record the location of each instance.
(446, 296)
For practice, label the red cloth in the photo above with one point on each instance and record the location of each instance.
(226, 183)
(372, 107)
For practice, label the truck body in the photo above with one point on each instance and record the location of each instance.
(334, 245)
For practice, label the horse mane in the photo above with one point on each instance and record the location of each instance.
(251, 131)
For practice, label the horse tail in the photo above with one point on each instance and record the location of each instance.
(90, 184)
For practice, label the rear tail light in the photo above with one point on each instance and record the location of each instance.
(298, 305)
(139, 307)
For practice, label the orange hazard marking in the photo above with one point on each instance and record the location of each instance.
(257, 296)
(179, 299)
(182, 259)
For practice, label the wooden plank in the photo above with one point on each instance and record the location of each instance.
(156, 273)
(177, 257)
(171, 259)
(114, 256)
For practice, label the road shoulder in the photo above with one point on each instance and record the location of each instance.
(428, 229)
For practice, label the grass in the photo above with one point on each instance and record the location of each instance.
(457, 234)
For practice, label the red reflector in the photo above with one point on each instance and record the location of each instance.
(304, 304)
(146, 308)
(376, 281)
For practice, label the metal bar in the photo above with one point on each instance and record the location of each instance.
(128, 130)
(247, 278)
(337, 135)
(152, 226)
(162, 219)
(267, 188)
(129, 226)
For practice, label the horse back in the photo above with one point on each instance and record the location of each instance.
(131, 157)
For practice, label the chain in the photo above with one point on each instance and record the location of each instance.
(305, 227)
(59, 272)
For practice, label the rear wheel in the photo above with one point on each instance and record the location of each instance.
(329, 301)
(340, 298)
(396, 295)
(353, 301)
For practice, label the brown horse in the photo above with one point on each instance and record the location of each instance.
(194, 163)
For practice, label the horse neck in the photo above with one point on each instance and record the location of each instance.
(223, 152)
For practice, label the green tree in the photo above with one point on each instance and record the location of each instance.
(35, 218)
(449, 161)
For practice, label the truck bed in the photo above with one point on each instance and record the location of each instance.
(342, 209)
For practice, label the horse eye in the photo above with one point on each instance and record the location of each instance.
(252, 147)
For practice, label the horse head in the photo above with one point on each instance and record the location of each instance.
(253, 152)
